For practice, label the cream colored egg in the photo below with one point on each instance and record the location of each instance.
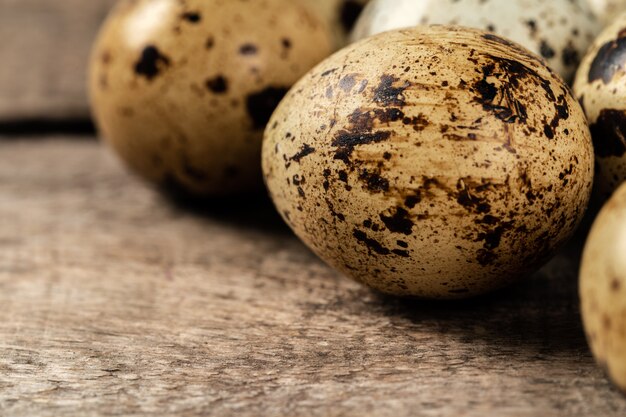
(182, 90)
(603, 288)
(600, 86)
(607, 10)
(435, 162)
(558, 30)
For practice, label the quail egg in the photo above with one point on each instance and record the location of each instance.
(183, 90)
(436, 162)
(601, 88)
(559, 30)
(603, 288)
(607, 10)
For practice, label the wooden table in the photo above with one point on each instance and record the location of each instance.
(44, 53)
(117, 301)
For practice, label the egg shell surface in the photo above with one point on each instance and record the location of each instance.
(600, 86)
(603, 288)
(435, 162)
(183, 90)
(558, 30)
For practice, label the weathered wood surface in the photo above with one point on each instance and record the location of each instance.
(115, 301)
(44, 50)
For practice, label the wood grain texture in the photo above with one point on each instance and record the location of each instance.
(116, 301)
(44, 56)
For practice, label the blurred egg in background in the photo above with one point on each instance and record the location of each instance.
(183, 91)
(558, 30)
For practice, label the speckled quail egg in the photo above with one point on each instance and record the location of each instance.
(607, 10)
(183, 90)
(436, 162)
(559, 30)
(342, 14)
(603, 288)
(601, 88)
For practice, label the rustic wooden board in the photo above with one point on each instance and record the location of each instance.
(115, 301)
(44, 52)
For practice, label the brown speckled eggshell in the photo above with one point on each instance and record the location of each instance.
(601, 88)
(183, 90)
(603, 288)
(435, 162)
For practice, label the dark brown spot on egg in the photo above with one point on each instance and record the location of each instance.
(546, 50)
(248, 49)
(470, 195)
(345, 142)
(419, 122)
(492, 238)
(570, 56)
(609, 133)
(502, 100)
(616, 285)
(304, 152)
(151, 62)
(372, 244)
(192, 17)
(398, 221)
(363, 120)
(374, 182)
(610, 59)
(547, 130)
(327, 172)
(261, 105)
(106, 58)
(389, 93)
(413, 200)
(218, 85)
(334, 213)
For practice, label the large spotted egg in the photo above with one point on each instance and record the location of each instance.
(183, 90)
(601, 87)
(436, 162)
(559, 30)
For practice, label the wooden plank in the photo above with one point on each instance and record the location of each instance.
(115, 301)
(44, 56)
